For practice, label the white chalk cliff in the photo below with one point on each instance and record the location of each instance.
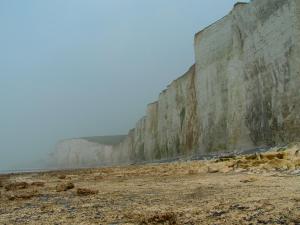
(242, 92)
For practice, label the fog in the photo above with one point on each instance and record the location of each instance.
(77, 68)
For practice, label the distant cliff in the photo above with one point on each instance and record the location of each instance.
(87, 151)
(242, 92)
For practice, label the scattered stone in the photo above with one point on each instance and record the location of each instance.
(212, 170)
(21, 196)
(160, 218)
(38, 184)
(297, 199)
(231, 164)
(217, 213)
(64, 186)
(281, 149)
(226, 158)
(258, 156)
(62, 176)
(43, 207)
(273, 155)
(249, 180)
(240, 170)
(86, 191)
(295, 172)
(239, 207)
(226, 169)
(16, 186)
(279, 164)
(243, 164)
(192, 172)
(252, 157)
(98, 177)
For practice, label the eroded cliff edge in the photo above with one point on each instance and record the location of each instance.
(242, 92)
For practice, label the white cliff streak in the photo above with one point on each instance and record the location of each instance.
(242, 92)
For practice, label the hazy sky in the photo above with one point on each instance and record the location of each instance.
(77, 68)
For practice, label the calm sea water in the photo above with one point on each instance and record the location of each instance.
(24, 171)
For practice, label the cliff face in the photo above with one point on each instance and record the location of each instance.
(242, 92)
(170, 127)
(248, 77)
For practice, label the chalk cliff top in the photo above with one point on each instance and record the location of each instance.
(235, 7)
(104, 140)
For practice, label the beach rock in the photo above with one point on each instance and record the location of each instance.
(38, 184)
(226, 169)
(169, 218)
(21, 195)
(193, 172)
(64, 186)
(212, 170)
(86, 191)
(248, 180)
(62, 176)
(273, 155)
(295, 172)
(279, 164)
(16, 186)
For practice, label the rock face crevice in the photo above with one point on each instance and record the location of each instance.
(242, 92)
